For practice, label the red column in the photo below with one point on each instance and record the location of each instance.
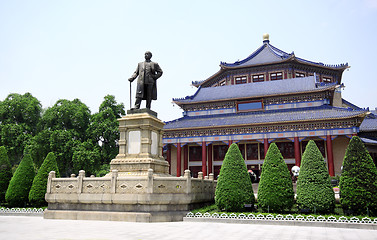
(297, 152)
(265, 146)
(330, 156)
(185, 157)
(168, 157)
(204, 158)
(210, 159)
(354, 134)
(179, 160)
(230, 143)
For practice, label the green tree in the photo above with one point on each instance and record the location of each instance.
(22, 110)
(39, 186)
(19, 186)
(14, 138)
(104, 128)
(5, 172)
(358, 182)
(109, 102)
(65, 124)
(68, 115)
(86, 157)
(39, 146)
(63, 143)
(19, 118)
(234, 188)
(275, 190)
(314, 190)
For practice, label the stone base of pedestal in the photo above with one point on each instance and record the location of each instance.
(144, 198)
(139, 166)
(115, 216)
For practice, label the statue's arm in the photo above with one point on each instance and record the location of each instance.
(134, 75)
(158, 71)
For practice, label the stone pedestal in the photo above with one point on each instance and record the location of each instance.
(138, 188)
(140, 145)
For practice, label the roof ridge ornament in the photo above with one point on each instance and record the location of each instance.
(266, 38)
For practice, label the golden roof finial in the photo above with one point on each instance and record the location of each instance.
(266, 37)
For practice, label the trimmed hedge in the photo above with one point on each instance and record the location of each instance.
(358, 182)
(275, 191)
(20, 184)
(39, 187)
(314, 190)
(234, 188)
(5, 172)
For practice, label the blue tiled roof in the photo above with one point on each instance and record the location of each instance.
(265, 54)
(368, 125)
(369, 141)
(258, 89)
(270, 54)
(349, 104)
(324, 112)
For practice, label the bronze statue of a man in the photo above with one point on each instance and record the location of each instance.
(148, 73)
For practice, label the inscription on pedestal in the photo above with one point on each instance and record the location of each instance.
(134, 142)
(154, 145)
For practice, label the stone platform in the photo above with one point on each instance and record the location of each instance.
(134, 198)
(138, 188)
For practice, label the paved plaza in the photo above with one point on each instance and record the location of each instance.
(29, 228)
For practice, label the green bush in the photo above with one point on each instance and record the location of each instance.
(39, 187)
(234, 188)
(314, 191)
(20, 184)
(275, 190)
(358, 182)
(5, 173)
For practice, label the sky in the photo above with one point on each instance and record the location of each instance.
(87, 49)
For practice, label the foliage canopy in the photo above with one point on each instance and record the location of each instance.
(39, 186)
(314, 190)
(19, 186)
(275, 190)
(358, 182)
(234, 187)
(5, 172)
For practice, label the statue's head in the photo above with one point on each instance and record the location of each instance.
(148, 55)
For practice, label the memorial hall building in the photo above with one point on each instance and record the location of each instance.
(270, 96)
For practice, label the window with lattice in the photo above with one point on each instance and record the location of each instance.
(241, 80)
(258, 78)
(276, 76)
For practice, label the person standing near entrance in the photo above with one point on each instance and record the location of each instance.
(148, 73)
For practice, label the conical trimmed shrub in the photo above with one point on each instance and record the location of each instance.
(5, 173)
(275, 190)
(314, 190)
(358, 182)
(234, 188)
(20, 184)
(39, 187)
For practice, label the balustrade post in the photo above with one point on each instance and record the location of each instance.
(80, 180)
(51, 175)
(114, 176)
(187, 175)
